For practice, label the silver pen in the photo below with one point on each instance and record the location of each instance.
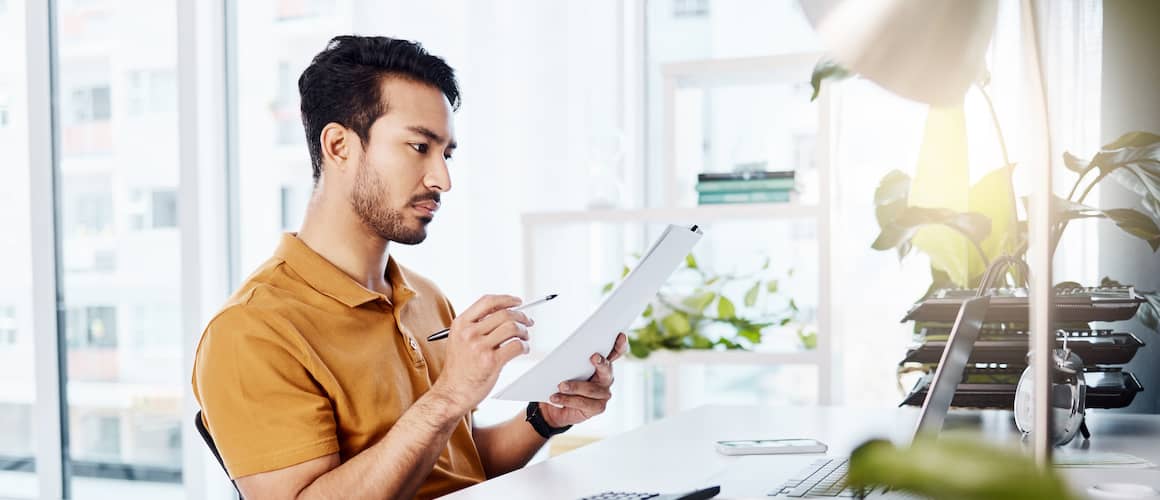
(442, 334)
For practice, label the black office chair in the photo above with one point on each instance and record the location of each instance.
(213, 447)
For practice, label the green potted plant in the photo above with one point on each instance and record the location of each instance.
(702, 309)
(963, 227)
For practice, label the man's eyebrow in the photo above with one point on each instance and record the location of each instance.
(430, 134)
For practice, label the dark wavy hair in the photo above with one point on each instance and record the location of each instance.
(343, 84)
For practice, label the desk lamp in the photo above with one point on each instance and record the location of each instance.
(930, 51)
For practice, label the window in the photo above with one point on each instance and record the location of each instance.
(690, 8)
(17, 360)
(116, 259)
(293, 207)
(8, 326)
(91, 327)
(164, 208)
(151, 92)
(91, 104)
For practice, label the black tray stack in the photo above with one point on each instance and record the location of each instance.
(1000, 354)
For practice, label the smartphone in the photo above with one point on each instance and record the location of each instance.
(770, 446)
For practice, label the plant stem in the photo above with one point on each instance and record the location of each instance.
(1058, 235)
(995, 120)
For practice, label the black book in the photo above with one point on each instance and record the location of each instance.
(742, 176)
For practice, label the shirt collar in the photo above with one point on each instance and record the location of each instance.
(329, 280)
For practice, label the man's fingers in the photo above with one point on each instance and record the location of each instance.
(499, 319)
(603, 375)
(505, 333)
(588, 406)
(618, 347)
(511, 348)
(487, 305)
(587, 389)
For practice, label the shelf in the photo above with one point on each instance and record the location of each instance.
(700, 214)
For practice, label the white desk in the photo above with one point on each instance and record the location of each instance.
(677, 453)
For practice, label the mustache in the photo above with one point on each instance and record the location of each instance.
(432, 196)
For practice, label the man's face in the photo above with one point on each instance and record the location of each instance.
(403, 168)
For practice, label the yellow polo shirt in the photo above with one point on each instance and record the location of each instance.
(303, 362)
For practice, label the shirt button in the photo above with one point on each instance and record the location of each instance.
(414, 345)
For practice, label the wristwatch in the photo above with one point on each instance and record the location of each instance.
(540, 425)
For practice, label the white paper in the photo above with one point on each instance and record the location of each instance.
(596, 334)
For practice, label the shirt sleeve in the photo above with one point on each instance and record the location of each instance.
(259, 401)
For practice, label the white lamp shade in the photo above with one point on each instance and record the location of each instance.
(926, 50)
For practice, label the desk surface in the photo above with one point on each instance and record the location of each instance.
(677, 453)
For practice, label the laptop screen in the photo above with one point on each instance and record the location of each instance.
(950, 367)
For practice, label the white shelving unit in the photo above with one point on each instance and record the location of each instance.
(708, 74)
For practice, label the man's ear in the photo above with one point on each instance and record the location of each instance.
(336, 144)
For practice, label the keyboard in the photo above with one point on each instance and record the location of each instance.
(823, 478)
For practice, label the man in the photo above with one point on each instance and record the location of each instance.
(316, 379)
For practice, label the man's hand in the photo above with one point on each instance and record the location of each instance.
(482, 340)
(584, 400)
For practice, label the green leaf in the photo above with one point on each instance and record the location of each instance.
(638, 349)
(826, 69)
(890, 197)
(793, 305)
(1131, 221)
(729, 344)
(1074, 163)
(753, 336)
(1136, 224)
(784, 321)
(699, 301)
(698, 341)
(1152, 206)
(771, 286)
(690, 261)
(725, 308)
(809, 340)
(1133, 160)
(1110, 283)
(982, 470)
(712, 280)
(648, 310)
(972, 225)
(942, 181)
(765, 265)
(624, 272)
(1133, 140)
(607, 287)
(993, 196)
(676, 324)
(751, 295)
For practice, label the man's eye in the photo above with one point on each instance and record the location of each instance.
(447, 157)
(420, 147)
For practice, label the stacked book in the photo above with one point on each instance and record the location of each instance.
(744, 187)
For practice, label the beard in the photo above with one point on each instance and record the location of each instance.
(372, 205)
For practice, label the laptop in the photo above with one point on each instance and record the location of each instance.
(825, 478)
